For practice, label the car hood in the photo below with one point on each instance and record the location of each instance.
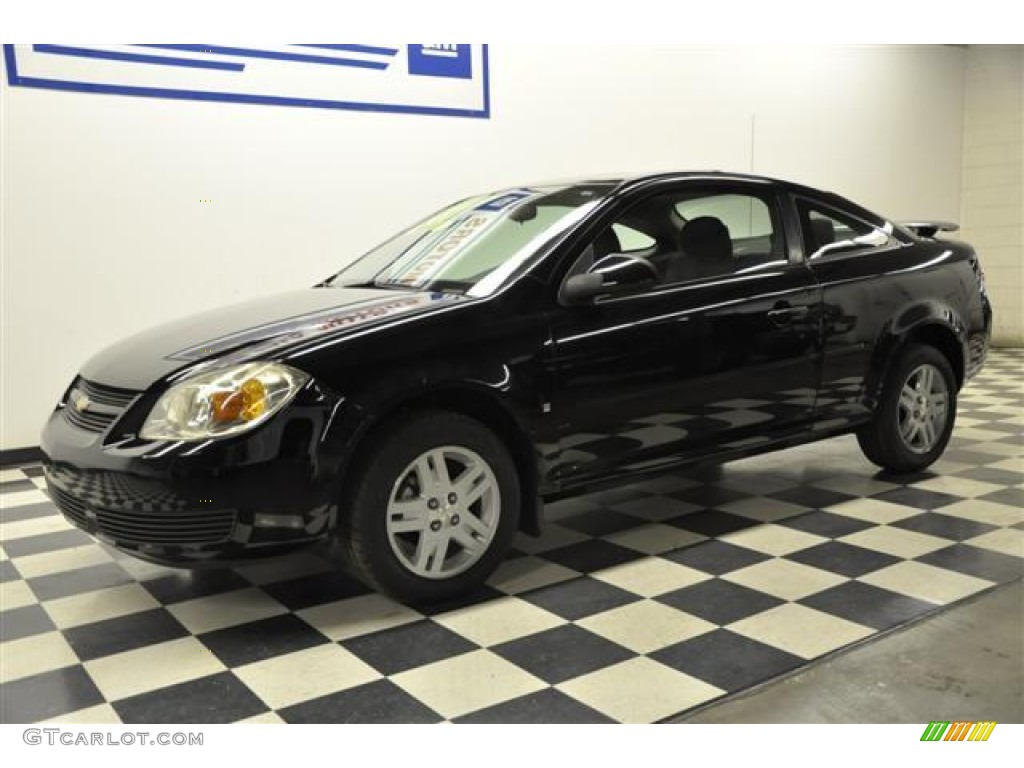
(259, 328)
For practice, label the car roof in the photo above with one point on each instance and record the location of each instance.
(624, 182)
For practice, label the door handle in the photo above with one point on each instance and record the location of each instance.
(786, 315)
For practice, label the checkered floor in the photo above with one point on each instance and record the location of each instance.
(637, 604)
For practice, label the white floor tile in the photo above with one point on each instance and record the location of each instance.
(926, 582)
(639, 691)
(465, 683)
(645, 626)
(498, 621)
(227, 609)
(154, 666)
(800, 630)
(307, 674)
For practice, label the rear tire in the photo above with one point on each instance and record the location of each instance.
(432, 508)
(916, 412)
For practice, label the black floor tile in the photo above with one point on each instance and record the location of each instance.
(719, 601)
(15, 486)
(50, 694)
(727, 660)
(716, 557)
(8, 572)
(812, 497)
(319, 588)
(826, 524)
(945, 526)
(24, 622)
(966, 456)
(993, 475)
(868, 605)
(918, 498)
(1012, 497)
(562, 653)
(46, 542)
(188, 585)
(483, 594)
(592, 555)
(549, 706)
(600, 522)
(906, 478)
(125, 633)
(378, 702)
(395, 650)
(259, 640)
(709, 495)
(998, 424)
(842, 558)
(26, 512)
(975, 561)
(580, 597)
(711, 522)
(220, 698)
(66, 583)
(33, 471)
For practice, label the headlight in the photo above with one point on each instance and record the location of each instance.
(222, 402)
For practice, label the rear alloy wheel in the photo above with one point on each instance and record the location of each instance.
(923, 408)
(432, 509)
(915, 415)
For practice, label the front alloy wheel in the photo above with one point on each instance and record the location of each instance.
(432, 507)
(444, 512)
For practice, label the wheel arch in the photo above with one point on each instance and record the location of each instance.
(481, 406)
(927, 324)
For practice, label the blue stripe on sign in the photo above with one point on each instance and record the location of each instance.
(275, 55)
(352, 48)
(137, 58)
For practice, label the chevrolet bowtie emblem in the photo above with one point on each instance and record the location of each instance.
(80, 401)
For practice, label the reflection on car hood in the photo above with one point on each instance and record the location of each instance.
(251, 330)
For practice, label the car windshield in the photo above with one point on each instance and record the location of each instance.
(474, 246)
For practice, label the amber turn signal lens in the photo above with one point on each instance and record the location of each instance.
(227, 406)
(254, 396)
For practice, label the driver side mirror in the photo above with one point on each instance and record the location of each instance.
(612, 274)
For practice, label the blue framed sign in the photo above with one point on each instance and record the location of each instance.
(425, 79)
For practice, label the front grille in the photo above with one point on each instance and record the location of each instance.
(72, 508)
(103, 405)
(161, 528)
(202, 527)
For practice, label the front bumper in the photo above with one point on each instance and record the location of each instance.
(188, 504)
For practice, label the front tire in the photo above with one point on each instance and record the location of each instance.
(915, 415)
(432, 508)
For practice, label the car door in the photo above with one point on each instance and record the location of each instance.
(718, 354)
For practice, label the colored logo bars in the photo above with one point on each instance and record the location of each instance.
(939, 730)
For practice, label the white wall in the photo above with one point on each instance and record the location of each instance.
(104, 232)
(993, 179)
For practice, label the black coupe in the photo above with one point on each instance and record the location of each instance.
(517, 347)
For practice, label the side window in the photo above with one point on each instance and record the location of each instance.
(723, 233)
(827, 231)
(694, 233)
(631, 240)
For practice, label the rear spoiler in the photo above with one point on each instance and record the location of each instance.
(930, 228)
